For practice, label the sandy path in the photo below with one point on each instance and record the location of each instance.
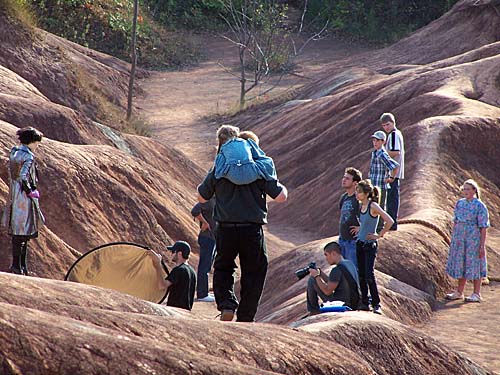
(470, 328)
(176, 104)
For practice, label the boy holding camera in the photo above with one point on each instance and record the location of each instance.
(340, 285)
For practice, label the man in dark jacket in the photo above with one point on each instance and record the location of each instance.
(240, 212)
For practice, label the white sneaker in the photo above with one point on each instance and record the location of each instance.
(474, 297)
(208, 298)
(454, 296)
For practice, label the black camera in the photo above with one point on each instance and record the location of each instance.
(303, 272)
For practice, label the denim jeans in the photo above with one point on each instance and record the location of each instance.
(348, 248)
(207, 253)
(367, 252)
(393, 202)
(248, 243)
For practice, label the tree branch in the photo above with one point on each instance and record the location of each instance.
(227, 70)
(315, 36)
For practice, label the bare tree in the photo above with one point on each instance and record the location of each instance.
(133, 57)
(254, 28)
(264, 45)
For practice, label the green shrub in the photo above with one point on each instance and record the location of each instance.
(190, 14)
(106, 26)
(377, 21)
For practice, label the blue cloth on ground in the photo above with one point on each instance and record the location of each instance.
(242, 162)
(334, 306)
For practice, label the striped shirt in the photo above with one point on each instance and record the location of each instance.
(380, 167)
(395, 142)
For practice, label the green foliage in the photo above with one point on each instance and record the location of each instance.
(258, 26)
(106, 26)
(191, 14)
(19, 10)
(379, 21)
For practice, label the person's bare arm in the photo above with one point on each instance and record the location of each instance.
(482, 243)
(325, 285)
(377, 210)
(161, 282)
(392, 176)
(204, 223)
(394, 154)
(283, 196)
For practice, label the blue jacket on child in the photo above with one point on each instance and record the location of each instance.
(242, 162)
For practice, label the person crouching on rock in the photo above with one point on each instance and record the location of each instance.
(366, 244)
(467, 256)
(340, 285)
(22, 215)
(181, 282)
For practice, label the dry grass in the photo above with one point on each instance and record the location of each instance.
(138, 126)
(20, 10)
(257, 103)
(100, 107)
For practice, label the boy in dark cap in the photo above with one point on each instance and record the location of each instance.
(181, 282)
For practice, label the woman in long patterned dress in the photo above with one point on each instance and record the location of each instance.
(467, 256)
(22, 216)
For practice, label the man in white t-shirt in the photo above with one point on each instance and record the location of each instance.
(396, 149)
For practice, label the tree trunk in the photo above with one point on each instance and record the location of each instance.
(243, 78)
(133, 58)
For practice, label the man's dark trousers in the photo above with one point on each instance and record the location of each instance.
(384, 193)
(393, 202)
(247, 241)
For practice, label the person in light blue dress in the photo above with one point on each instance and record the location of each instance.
(467, 255)
(241, 160)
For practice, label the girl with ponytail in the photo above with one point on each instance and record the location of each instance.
(366, 244)
(467, 256)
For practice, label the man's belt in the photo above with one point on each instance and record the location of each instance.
(227, 224)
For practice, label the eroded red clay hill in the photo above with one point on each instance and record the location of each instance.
(96, 331)
(97, 184)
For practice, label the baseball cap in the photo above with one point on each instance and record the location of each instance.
(379, 134)
(181, 246)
